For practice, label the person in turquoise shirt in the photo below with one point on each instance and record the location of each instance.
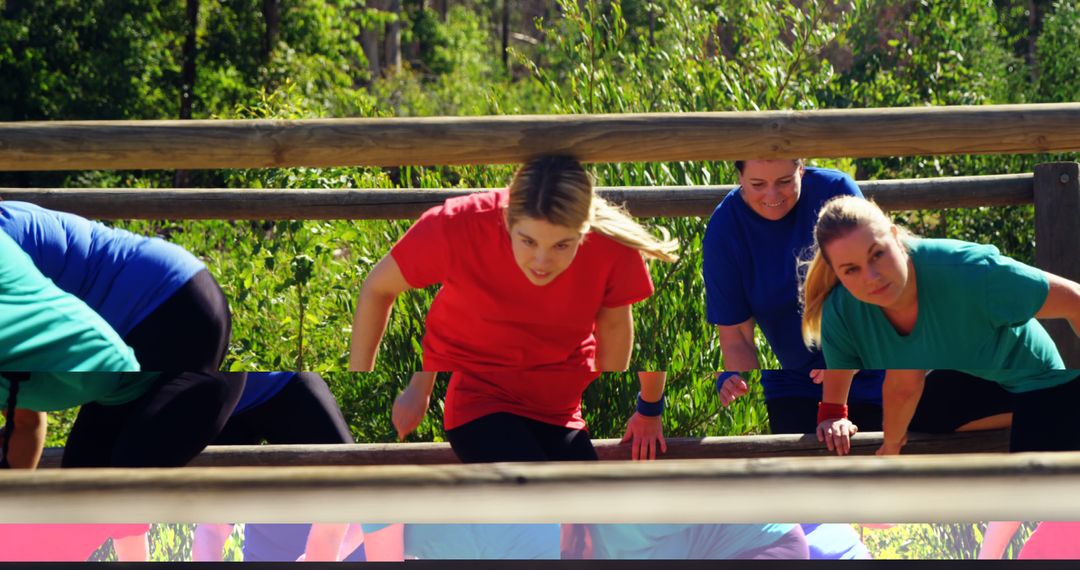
(685, 542)
(876, 297)
(57, 353)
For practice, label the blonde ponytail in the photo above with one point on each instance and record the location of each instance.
(819, 281)
(613, 222)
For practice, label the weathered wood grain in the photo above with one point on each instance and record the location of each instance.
(832, 133)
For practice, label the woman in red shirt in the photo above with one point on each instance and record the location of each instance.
(537, 283)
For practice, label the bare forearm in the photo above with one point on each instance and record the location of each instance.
(324, 542)
(134, 548)
(614, 338)
(996, 539)
(424, 381)
(369, 325)
(900, 396)
(836, 385)
(208, 544)
(740, 354)
(27, 440)
(652, 385)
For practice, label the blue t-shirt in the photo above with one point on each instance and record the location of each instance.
(275, 542)
(479, 541)
(122, 276)
(265, 542)
(834, 542)
(751, 270)
(260, 387)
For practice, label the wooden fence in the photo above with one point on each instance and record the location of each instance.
(78, 145)
(729, 447)
(971, 487)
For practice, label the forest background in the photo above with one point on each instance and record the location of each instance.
(292, 284)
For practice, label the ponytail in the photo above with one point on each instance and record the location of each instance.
(613, 222)
(819, 281)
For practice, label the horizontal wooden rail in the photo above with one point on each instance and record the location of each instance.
(924, 488)
(743, 446)
(834, 133)
(409, 203)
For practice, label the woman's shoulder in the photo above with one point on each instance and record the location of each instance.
(951, 252)
(475, 203)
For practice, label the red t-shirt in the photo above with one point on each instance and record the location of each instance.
(59, 542)
(1053, 541)
(501, 335)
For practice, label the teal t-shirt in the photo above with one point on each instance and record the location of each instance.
(976, 314)
(46, 331)
(53, 391)
(479, 541)
(681, 541)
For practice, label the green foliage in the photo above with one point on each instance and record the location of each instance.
(955, 541)
(1058, 54)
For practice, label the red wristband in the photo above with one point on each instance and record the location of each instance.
(826, 411)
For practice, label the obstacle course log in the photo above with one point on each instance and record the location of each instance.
(655, 137)
(783, 445)
(923, 488)
(409, 203)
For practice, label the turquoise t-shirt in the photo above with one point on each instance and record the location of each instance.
(479, 541)
(50, 333)
(976, 314)
(53, 391)
(681, 541)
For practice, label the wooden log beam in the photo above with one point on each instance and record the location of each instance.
(922, 488)
(832, 133)
(1057, 241)
(743, 446)
(409, 203)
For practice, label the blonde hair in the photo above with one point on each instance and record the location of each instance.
(557, 189)
(839, 217)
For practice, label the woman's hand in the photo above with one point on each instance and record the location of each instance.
(412, 403)
(836, 434)
(892, 447)
(643, 433)
(732, 387)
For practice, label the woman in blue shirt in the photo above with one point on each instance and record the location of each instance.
(752, 248)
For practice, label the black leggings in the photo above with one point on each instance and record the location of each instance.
(1046, 420)
(799, 415)
(189, 331)
(304, 411)
(166, 427)
(508, 437)
(950, 399)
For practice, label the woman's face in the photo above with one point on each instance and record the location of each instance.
(771, 187)
(872, 265)
(543, 250)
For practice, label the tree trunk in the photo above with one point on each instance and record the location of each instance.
(272, 16)
(444, 8)
(506, 33)
(393, 39)
(187, 79)
(369, 41)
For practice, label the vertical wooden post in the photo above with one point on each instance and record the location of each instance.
(1057, 240)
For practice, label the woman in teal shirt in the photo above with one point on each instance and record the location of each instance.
(57, 353)
(876, 297)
